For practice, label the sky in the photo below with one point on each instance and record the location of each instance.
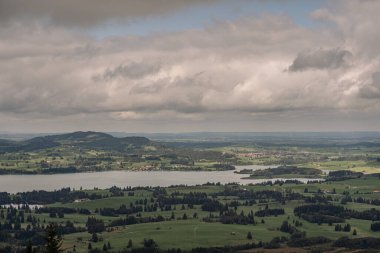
(189, 65)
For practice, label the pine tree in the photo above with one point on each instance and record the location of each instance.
(347, 228)
(129, 244)
(53, 240)
(29, 248)
(249, 236)
(149, 243)
(94, 237)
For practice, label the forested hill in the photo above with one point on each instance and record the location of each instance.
(93, 140)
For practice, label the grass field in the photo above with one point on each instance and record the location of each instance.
(196, 231)
(176, 234)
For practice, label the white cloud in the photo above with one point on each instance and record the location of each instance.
(230, 69)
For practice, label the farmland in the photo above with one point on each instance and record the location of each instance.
(94, 151)
(189, 217)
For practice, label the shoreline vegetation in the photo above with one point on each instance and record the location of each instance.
(283, 172)
(68, 170)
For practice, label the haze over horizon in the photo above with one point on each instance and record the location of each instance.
(189, 66)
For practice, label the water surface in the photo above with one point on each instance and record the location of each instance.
(101, 180)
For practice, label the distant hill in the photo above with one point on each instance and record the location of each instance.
(8, 145)
(92, 140)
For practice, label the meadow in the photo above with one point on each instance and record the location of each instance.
(187, 226)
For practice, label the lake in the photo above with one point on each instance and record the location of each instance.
(106, 179)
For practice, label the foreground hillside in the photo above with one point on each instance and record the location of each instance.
(342, 214)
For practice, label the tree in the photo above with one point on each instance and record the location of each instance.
(347, 228)
(53, 240)
(249, 236)
(129, 244)
(375, 226)
(149, 243)
(354, 232)
(94, 237)
(95, 225)
(29, 248)
(89, 247)
(104, 247)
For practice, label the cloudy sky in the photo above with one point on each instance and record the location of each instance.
(189, 65)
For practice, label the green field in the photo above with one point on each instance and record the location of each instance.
(93, 151)
(176, 232)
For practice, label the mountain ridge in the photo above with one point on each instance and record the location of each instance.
(83, 139)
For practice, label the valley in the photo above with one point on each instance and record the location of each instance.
(135, 194)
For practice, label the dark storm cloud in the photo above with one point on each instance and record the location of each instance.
(86, 13)
(372, 90)
(131, 70)
(321, 59)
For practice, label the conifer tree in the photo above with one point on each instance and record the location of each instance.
(29, 248)
(53, 239)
